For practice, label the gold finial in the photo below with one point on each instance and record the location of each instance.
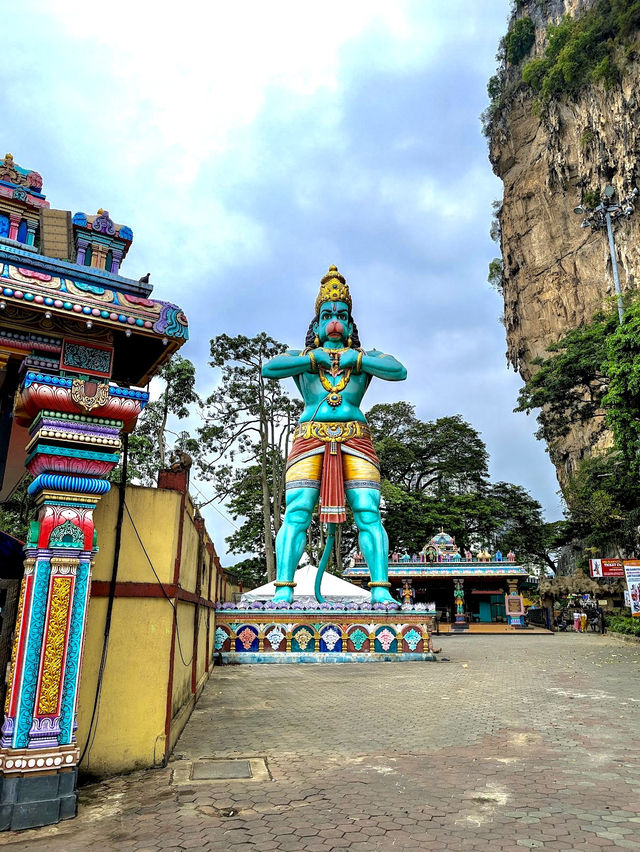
(333, 288)
(100, 212)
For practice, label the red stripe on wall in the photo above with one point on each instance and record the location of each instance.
(100, 589)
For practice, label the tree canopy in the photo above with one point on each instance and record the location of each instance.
(435, 474)
(152, 442)
(593, 373)
(248, 421)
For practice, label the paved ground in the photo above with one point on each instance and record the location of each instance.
(506, 743)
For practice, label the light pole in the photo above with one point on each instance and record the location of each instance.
(607, 212)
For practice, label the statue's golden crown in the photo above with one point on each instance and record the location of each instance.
(333, 288)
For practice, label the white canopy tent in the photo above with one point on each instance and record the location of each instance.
(332, 588)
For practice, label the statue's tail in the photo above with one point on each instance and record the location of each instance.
(326, 553)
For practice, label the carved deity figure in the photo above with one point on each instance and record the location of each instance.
(408, 593)
(332, 460)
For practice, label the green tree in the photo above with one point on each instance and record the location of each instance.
(570, 385)
(496, 274)
(592, 373)
(437, 458)
(150, 444)
(622, 400)
(520, 526)
(248, 419)
(603, 500)
(435, 474)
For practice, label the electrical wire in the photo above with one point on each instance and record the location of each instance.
(161, 584)
(122, 507)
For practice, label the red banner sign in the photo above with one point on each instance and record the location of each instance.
(606, 568)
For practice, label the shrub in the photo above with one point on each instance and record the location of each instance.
(591, 199)
(535, 71)
(607, 72)
(494, 88)
(624, 624)
(496, 274)
(587, 138)
(519, 40)
(582, 50)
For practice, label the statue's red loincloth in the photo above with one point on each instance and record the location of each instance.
(330, 471)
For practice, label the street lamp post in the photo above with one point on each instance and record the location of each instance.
(603, 216)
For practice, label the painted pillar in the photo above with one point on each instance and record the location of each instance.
(117, 260)
(81, 252)
(75, 427)
(14, 224)
(32, 225)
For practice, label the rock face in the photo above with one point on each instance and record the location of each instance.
(557, 275)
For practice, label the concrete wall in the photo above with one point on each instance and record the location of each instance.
(157, 663)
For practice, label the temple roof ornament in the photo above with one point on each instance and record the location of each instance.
(102, 223)
(10, 172)
(20, 187)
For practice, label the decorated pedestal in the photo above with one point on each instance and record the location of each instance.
(323, 634)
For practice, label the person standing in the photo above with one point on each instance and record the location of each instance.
(576, 621)
(583, 621)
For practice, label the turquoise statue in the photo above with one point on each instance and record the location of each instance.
(332, 457)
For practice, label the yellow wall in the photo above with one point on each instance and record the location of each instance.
(130, 731)
(156, 514)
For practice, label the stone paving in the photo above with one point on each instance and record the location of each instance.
(506, 743)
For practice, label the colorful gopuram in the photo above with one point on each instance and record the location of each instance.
(460, 586)
(78, 343)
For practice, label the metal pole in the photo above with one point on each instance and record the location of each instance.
(614, 264)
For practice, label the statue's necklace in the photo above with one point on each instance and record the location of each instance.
(334, 397)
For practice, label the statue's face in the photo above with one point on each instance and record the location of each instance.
(333, 323)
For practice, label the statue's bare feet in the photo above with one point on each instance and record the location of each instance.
(285, 594)
(381, 595)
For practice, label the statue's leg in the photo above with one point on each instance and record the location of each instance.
(292, 537)
(373, 541)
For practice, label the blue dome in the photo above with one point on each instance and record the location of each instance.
(442, 538)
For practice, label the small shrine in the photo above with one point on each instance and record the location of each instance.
(462, 586)
(441, 548)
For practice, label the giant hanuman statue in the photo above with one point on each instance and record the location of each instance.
(332, 458)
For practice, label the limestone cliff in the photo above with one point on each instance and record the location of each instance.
(550, 152)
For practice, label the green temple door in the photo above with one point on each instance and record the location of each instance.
(485, 612)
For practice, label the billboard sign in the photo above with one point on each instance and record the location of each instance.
(603, 568)
(632, 573)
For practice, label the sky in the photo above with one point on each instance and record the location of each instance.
(251, 145)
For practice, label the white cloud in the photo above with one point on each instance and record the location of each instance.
(251, 144)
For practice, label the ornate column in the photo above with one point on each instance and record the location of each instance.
(82, 246)
(117, 260)
(75, 427)
(14, 224)
(32, 225)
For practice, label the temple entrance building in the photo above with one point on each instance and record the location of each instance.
(78, 344)
(457, 583)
